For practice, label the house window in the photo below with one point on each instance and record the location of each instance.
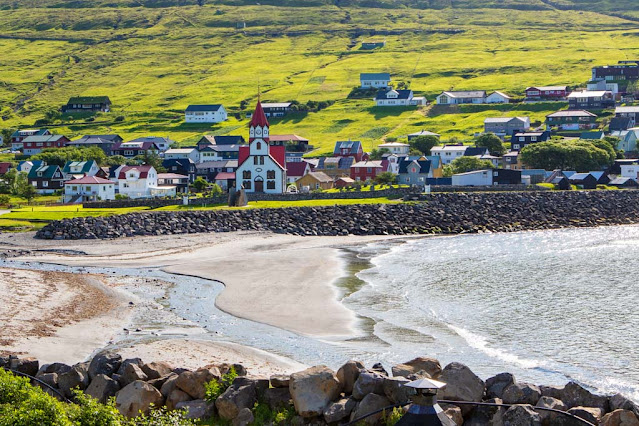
(45, 183)
(74, 188)
(270, 184)
(246, 184)
(246, 174)
(258, 145)
(369, 169)
(270, 174)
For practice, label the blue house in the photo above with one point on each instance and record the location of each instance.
(414, 172)
(181, 166)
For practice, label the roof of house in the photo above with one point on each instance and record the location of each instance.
(320, 176)
(43, 138)
(472, 151)
(474, 172)
(224, 140)
(217, 164)
(258, 118)
(374, 76)
(370, 163)
(92, 140)
(393, 145)
(89, 100)
(45, 171)
(286, 138)
(221, 148)
(588, 94)
(345, 179)
(297, 168)
(225, 176)
(620, 123)
(143, 170)
(354, 147)
(179, 151)
(503, 119)
(572, 113)
(155, 139)
(592, 135)
(276, 105)
(135, 145)
(502, 94)
(4, 167)
(342, 163)
(620, 180)
(424, 166)
(78, 166)
(579, 177)
(424, 133)
(547, 88)
(89, 180)
(203, 108)
(171, 176)
(24, 132)
(105, 137)
(465, 94)
(401, 94)
(459, 147)
(167, 162)
(524, 134)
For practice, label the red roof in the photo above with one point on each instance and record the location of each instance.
(4, 168)
(296, 168)
(243, 154)
(259, 118)
(225, 176)
(89, 180)
(279, 155)
(144, 171)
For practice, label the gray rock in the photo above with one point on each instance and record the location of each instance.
(77, 377)
(244, 418)
(234, 399)
(260, 384)
(280, 381)
(105, 363)
(340, 410)
(197, 410)
(461, 385)
(418, 366)
(348, 374)
(521, 415)
(575, 395)
(313, 389)
(137, 397)
(590, 414)
(620, 418)
(29, 366)
(368, 382)
(495, 385)
(548, 417)
(551, 391)
(155, 370)
(102, 387)
(136, 361)
(56, 367)
(396, 391)
(371, 403)
(620, 402)
(192, 382)
(521, 393)
(278, 398)
(50, 379)
(455, 414)
(175, 397)
(487, 415)
(131, 373)
(168, 385)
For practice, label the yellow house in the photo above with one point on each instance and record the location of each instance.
(315, 180)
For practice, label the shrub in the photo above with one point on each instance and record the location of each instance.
(5, 199)
(214, 388)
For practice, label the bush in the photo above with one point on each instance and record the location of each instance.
(214, 388)
(5, 199)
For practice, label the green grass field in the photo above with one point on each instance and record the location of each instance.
(154, 61)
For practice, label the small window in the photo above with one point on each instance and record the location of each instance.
(247, 184)
(270, 184)
(258, 145)
(246, 174)
(270, 174)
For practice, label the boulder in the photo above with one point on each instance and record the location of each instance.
(461, 385)
(551, 391)
(244, 418)
(192, 382)
(368, 382)
(620, 402)
(548, 417)
(197, 410)
(620, 418)
(137, 397)
(234, 399)
(158, 383)
(131, 373)
(340, 410)
(591, 414)
(379, 368)
(277, 398)
(77, 377)
(396, 391)
(175, 397)
(495, 385)
(455, 415)
(50, 379)
(313, 389)
(521, 393)
(371, 403)
(487, 415)
(168, 385)
(102, 388)
(418, 366)
(56, 367)
(575, 395)
(123, 365)
(521, 415)
(260, 384)
(280, 381)
(155, 370)
(348, 374)
(29, 366)
(105, 363)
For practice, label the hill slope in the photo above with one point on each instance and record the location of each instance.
(154, 61)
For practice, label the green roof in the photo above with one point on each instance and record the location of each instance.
(89, 100)
(47, 172)
(83, 166)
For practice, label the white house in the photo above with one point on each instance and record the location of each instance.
(630, 171)
(627, 139)
(262, 167)
(475, 178)
(137, 181)
(604, 85)
(423, 133)
(182, 153)
(396, 148)
(205, 114)
(78, 169)
(393, 162)
(472, 97)
(448, 153)
(162, 143)
(498, 98)
(398, 98)
(379, 80)
(88, 188)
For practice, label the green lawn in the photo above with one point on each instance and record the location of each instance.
(153, 62)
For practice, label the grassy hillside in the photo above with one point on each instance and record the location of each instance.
(154, 61)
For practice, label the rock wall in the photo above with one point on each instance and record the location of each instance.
(448, 213)
(320, 396)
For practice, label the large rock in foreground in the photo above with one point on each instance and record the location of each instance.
(461, 385)
(313, 389)
(137, 397)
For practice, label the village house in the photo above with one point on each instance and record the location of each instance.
(225, 180)
(219, 153)
(583, 180)
(618, 124)
(179, 153)
(630, 170)
(520, 140)
(26, 166)
(398, 98)
(397, 148)
(448, 153)
(586, 99)
(104, 142)
(5, 167)
(506, 126)
(414, 172)
(422, 133)
(627, 139)
(140, 182)
(624, 182)
(314, 181)
(343, 182)
(163, 143)
(366, 170)
(262, 167)
(488, 178)
(179, 182)
(208, 140)
(276, 109)
(349, 149)
(32, 145)
(380, 80)
(180, 166)
(88, 188)
(296, 170)
(624, 70)
(19, 135)
(602, 85)
(335, 166)
(210, 170)
(87, 104)
(571, 120)
(559, 179)
(472, 97)
(547, 93)
(133, 149)
(292, 142)
(630, 112)
(511, 161)
(205, 114)
(78, 169)
(46, 179)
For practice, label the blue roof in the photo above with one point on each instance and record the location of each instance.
(424, 166)
(353, 146)
(401, 94)
(199, 108)
(579, 176)
(374, 76)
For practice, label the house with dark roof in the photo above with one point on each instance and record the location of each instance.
(46, 179)
(506, 126)
(559, 179)
(79, 104)
(591, 99)
(571, 120)
(476, 151)
(162, 142)
(104, 142)
(207, 140)
(180, 166)
(132, 149)
(205, 114)
(219, 153)
(348, 149)
(78, 169)
(414, 172)
(624, 70)
(335, 166)
(548, 93)
(522, 139)
(32, 145)
(380, 80)
(180, 182)
(592, 136)
(296, 170)
(276, 109)
(624, 182)
(618, 124)
(210, 169)
(313, 181)
(472, 97)
(396, 98)
(19, 135)
(631, 112)
(583, 180)
(292, 142)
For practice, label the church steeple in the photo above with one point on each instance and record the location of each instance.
(259, 127)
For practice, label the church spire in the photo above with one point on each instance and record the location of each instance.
(259, 127)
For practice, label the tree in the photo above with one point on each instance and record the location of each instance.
(6, 135)
(216, 190)
(151, 158)
(200, 184)
(385, 178)
(579, 155)
(116, 160)
(59, 156)
(424, 143)
(28, 192)
(377, 154)
(469, 164)
(491, 142)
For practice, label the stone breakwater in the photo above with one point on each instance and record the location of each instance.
(451, 213)
(320, 396)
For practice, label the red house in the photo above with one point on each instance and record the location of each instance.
(349, 149)
(365, 170)
(32, 145)
(547, 92)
